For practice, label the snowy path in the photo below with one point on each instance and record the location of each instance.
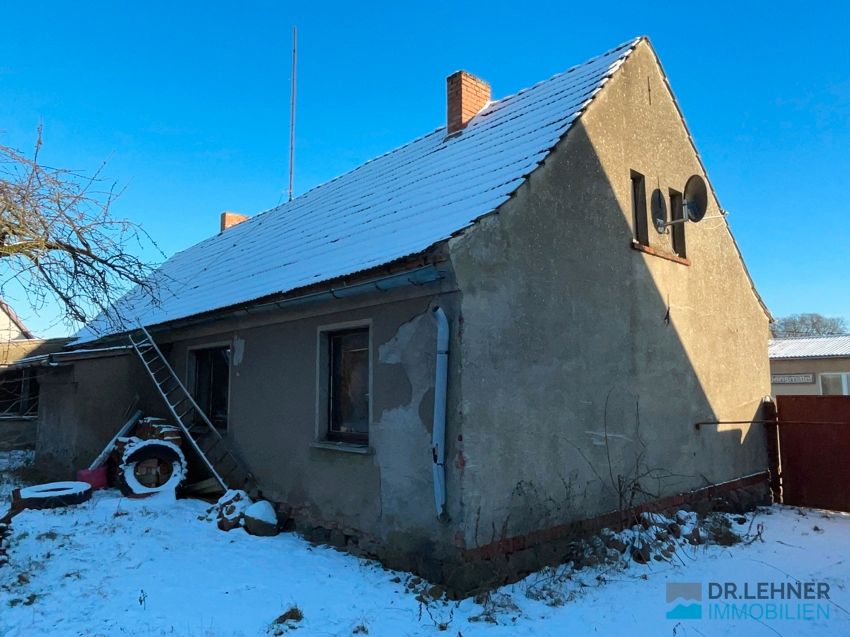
(146, 568)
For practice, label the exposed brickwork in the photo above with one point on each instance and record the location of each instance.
(229, 219)
(612, 519)
(466, 95)
(463, 572)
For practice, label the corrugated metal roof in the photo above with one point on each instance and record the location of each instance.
(810, 347)
(396, 205)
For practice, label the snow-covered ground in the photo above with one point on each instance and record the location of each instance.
(10, 462)
(152, 568)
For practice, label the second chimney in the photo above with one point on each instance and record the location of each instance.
(230, 219)
(466, 95)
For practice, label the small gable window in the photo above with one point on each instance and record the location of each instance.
(677, 229)
(641, 225)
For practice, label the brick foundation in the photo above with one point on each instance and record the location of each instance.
(617, 519)
(468, 571)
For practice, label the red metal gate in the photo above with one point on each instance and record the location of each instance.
(814, 451)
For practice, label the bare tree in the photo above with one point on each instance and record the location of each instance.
(59, 241)
(809, 325)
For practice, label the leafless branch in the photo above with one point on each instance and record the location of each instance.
(59, 240)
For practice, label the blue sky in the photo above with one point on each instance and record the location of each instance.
(189, 103)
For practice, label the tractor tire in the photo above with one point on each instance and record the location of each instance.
(164, 451)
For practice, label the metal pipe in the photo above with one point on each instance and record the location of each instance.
(707, 423)
(438, 431)
(711, 423)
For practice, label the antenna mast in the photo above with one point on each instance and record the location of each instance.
(292, 114)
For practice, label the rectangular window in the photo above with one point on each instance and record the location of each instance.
(677, 229)
(348, 385)
(835, 384)
(211, 383)
(639, 208)
(18, 394)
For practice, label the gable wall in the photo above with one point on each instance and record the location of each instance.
(564, 331)
(9, 329)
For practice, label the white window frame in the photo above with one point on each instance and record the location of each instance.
(845, 382)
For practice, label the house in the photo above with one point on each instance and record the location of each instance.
(12, 328)
(19, 383)
(460, 348)
(807, 365)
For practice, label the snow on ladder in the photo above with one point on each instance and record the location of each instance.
(226, 468)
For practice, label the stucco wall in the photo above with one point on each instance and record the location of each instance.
(814, 366)
(568, 332)
(82, 406)
(386, 494)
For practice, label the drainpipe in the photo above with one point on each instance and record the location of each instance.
(438, 432)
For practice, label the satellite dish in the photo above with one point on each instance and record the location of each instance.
(696, 198)
(658, 205)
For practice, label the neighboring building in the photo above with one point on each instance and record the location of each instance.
(584, 344)
(810, 365)
(12, 328)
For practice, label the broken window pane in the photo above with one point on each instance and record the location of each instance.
(18, 394)
(349, 385)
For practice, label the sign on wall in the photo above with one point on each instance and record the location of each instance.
(793, 379)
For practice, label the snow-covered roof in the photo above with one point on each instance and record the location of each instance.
(810, 347)
(391, 207)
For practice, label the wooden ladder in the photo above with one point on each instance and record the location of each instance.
(226, 468)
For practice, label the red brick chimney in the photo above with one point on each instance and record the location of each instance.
(466, 95)
(229, 219)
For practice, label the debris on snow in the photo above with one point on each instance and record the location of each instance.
(286, 621)
(261, 519)
(228, 513)
(263, 511)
